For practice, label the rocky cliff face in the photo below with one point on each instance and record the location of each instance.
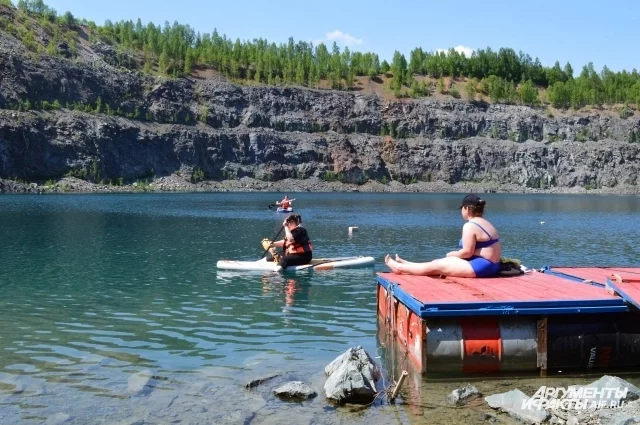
(215, 130)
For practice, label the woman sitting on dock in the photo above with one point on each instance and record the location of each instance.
(479, 253)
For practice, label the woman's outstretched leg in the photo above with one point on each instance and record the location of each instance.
(449, 266)
(402, 260)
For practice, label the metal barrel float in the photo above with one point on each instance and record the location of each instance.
(481, 344)
(538, 321)
(514, 344)
(594, 342)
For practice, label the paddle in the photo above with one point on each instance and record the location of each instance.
(272, 241)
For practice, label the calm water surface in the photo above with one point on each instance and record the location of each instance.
(96, 288)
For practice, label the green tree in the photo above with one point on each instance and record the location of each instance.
(559, 96)
(528, 93)
(163, 62)
(399, 70)
(188, 63)
(300, 77)
(68, 20)
(384, 67)
(568, 71)
(470, 88)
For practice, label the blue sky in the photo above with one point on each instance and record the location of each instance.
(605, 33)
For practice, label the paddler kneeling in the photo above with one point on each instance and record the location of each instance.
(296, 246)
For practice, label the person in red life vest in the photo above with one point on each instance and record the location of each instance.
(285, 203)
(296, 246)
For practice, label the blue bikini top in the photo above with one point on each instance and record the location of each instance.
(481, 244)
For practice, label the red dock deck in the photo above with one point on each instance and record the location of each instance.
(537, 320)
(533, 293)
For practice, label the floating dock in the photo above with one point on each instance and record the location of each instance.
(558, 318)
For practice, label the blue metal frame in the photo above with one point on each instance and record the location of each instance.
(613, 305)
(623, 294)
(406, 299)
(508, 311)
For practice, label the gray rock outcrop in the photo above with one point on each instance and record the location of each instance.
(352, 377)
(143, 128)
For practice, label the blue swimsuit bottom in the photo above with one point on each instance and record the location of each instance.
(483, 267)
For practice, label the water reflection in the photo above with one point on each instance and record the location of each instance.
(291, 290)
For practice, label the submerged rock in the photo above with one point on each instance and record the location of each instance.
(462, 395)
(259, 381)
(512, 403)
(141, 383)
(352, 377)
(295, 390)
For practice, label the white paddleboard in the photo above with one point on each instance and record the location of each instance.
(316, 264)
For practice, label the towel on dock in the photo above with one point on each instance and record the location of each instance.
(510, 267)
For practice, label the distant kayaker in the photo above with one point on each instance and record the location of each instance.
(296, 246)
(285, 203)
(478, 254)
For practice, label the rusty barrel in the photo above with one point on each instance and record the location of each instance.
(510, 344)
(481, 344)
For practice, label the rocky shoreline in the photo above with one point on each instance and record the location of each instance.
(313, 184)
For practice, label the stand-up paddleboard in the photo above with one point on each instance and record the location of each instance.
(316, 264)
(284, 210)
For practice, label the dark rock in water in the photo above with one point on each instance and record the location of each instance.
(353, 377)
(295, 390)
(141, 383)
(254, 383)
(462, 395)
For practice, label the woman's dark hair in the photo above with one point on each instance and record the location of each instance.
(474, 205)
(296, 218)
(478, 209)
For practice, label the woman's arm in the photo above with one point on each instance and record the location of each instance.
(468, 243)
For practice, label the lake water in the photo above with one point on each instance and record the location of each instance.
(99, 288)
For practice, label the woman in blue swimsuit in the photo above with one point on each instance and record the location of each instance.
(478, 254)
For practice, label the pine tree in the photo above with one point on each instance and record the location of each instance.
(470, 88)
(163, 62)
(300, 77)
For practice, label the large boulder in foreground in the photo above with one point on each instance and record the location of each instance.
(352, 377)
